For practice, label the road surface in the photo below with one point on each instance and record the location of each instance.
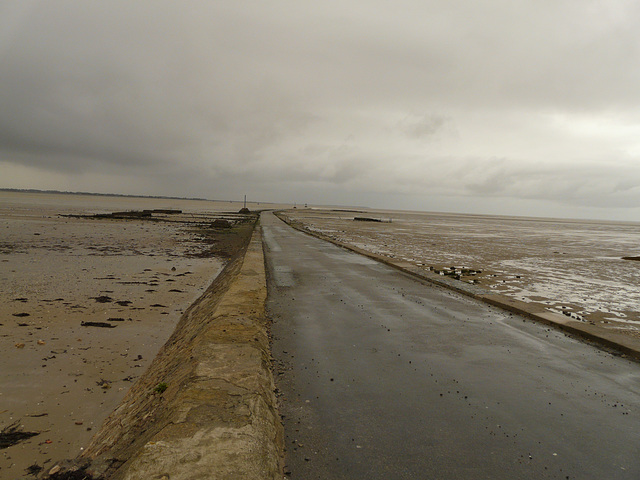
(383, 377)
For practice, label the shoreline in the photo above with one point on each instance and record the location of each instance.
(217, 409)
(87, 305)
(612, 341)
(207, 403)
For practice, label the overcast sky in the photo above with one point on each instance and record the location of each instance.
(489, 106)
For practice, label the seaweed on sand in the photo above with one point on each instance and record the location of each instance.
(12, 434)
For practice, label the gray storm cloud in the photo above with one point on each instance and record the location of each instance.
(414, 104)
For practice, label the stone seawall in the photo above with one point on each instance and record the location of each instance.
(205, 408)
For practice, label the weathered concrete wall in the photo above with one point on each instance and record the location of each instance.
(217, 417)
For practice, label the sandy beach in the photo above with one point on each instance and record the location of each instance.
(85, 305)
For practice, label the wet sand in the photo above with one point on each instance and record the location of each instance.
(85, 304)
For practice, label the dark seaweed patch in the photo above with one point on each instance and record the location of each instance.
(13, 434)
(103, 299)
(97, 324)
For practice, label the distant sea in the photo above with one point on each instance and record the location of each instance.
(16, 201)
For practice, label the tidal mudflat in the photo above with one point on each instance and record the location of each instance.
(579, 268)
(85, 304)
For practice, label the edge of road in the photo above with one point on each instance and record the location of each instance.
(611, 341)
(206, 407)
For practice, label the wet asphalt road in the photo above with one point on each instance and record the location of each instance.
(383, 377)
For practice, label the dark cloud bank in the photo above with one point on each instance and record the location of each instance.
(486, 107)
